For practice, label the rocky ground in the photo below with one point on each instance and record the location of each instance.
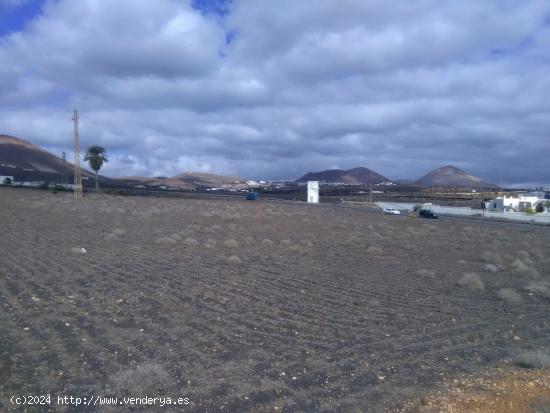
(264, 306)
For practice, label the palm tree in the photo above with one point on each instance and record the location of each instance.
(96, 156)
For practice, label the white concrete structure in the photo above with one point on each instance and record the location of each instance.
(313, 192)
(3, 177)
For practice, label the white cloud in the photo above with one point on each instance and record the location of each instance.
(400, 87)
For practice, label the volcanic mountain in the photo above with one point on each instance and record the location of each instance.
(26, 161)
(357, 176)
(451, 177)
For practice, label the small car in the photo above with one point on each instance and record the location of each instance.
(392, 211)
(426, 213)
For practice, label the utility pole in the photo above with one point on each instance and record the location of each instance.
(77, 174)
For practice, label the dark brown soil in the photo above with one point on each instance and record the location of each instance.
(257, 306)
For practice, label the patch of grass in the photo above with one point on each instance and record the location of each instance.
(472, 282)
(510, 296)
(533, 360)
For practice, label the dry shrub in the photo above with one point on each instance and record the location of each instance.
(539, 288)
(425, 273)
(462, 262)
(374, 250)
(231, 243)
(510, 296)
(524, 253)
(165, 241)
(296, 248)
(176, 237)
(148, 379)
(210, 243)
(234, 259)
(538, 253)
(492, 257)
(285, 242)
(191, 242)
(307, 243)
(119, 232)
(523, 269)
(115, 234)
(491, 267)
(533, 360)
(472, 282)
(353, 240)
(267, 242)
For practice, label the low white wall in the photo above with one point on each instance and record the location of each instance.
(467, 211)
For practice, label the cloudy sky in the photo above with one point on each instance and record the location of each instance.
(274, 89)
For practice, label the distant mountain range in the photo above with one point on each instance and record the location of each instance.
(26, 161)
(359, 175)
(444, 177)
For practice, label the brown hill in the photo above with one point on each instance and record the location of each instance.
(187, 180)
(357, 176)
(451, 177)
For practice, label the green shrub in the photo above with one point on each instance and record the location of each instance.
(529, 211)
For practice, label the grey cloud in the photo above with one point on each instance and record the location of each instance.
(400, 88)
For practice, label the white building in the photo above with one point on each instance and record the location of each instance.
(3, 178)
(515, 204)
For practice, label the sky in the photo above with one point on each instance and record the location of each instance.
(275, 89)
